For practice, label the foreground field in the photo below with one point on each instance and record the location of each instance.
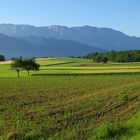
(70, 99)
(65, 107)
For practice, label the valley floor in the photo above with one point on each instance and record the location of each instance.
(68, 106)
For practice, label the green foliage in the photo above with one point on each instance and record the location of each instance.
(24, 64)
(30, 64)
(125, 130)
(2, 58)
(15, 136)
(17, 64)
(120, 56)
(109, 131)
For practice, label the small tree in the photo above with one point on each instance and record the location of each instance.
(104, 60)
(17, 65)
(30, 64)
(2, 58)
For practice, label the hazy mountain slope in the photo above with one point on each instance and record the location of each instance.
(14, 47)
(41, 46)
(60, 47)
(105, 38)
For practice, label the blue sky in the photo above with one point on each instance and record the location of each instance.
(123, 15)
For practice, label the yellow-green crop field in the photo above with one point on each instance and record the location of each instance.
(70, 99)
(67, 66)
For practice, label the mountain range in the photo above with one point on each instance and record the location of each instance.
(28, 40)
(41, 46)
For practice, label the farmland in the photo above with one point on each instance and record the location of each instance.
(70, 98)
(67, 66)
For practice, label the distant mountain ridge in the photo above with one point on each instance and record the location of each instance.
(105, 38)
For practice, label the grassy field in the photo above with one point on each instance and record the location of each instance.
(59, 103)
(67, 66)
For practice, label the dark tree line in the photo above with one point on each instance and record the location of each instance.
(2, 58)
(115, 56)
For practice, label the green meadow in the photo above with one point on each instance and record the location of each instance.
(73, 66)
(70, 99)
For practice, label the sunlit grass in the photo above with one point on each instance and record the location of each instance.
(71, 66)
(96, 106)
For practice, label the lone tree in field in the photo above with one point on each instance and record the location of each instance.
(20, 64)
(17, 65)
(30, 64)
